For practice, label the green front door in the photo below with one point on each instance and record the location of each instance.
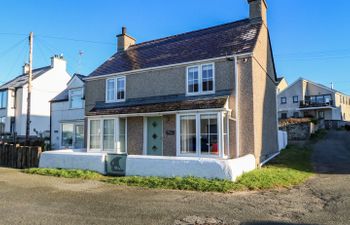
(154, 136)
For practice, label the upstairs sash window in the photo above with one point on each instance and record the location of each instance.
(115, 89)
(200, 79)
(76, 98)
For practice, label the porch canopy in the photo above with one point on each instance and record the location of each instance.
(161, 104)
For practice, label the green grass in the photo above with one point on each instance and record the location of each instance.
(291, 167)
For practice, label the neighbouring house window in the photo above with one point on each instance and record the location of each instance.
(115, 89)
(295, 99)
(188, 137)
(283, 100)
(108, 135)
(3, 99)
(2, 124)
(200, 79)
(95, 134)
(283, 115)
(76, 98)
(67, 135)
(203, 134)
(79, 136)
(320, 114)
(296, 114)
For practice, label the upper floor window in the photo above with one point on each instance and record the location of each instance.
(295, 99)
(115, 89)
(200, 79)
(283, 100)
(3, 99)
(76, 98)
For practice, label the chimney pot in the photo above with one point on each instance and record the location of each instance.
(25, 68)
(124, 40)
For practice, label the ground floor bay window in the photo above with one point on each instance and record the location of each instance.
(202, 134)
(107, 135)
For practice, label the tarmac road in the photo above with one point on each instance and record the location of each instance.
(324, 199)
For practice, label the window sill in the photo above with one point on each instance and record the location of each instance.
(200, 93)
(115, 101)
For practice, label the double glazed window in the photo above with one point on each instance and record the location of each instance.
(3, 99)
(200, 79)
(108, 135)
(115, 89)
(199, 134)
(295, 99)
(76, 98)
(283, 100)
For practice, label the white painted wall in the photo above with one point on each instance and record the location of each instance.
(69, 159)
(138, 165)
(282, 139)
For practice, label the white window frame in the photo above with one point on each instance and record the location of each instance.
(200, 80)
(3, 105)
(70, 98)
(74, 132)
(116, 134)
(221, 141)
(115, 89)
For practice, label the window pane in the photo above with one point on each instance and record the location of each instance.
(193, 82)
(110, 90)
(207, 78)
(67, 135)
(79, 136)
(95, 134)
(108, 135)
(76, 98)
(209, 134)
(188, 134)
(122, 131)
(120, 88)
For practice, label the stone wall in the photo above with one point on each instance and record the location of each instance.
(299, 131)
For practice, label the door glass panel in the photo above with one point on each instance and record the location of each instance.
(188, 138)
(67, 135)
(209, 134)
(108, 135)
(122, 131)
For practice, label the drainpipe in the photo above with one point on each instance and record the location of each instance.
(236, 105)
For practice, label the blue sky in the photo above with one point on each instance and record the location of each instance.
(309, 38)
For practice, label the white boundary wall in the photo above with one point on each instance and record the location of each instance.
(282, 140)
(69, 159)
(138, 165)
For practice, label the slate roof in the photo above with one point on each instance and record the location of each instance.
(227, 39)
(63, 96)
(22, 79)
(161, 104)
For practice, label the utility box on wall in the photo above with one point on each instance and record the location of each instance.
(115, 164)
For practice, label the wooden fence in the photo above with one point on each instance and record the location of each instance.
(21, 157)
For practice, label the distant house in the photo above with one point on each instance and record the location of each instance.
(67, 116)
(47, 82)
(305, 98)
(281, 84)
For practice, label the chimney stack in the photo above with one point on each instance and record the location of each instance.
(124, 40)
(25, 68)
(58, 62)
(258, 10)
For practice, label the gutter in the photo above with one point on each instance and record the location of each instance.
(271, 157)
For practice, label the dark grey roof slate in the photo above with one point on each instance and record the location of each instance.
(22, 79)
(227, 39)
(161, 104)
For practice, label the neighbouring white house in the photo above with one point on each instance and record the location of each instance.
(47, 82)
(305, 98)
(67, 116)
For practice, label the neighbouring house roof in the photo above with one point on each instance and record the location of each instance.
(161, 104)
(279, 79)
(227, 39)
(63, 96)
(22, 79)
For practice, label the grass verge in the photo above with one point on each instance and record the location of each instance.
(290, 168)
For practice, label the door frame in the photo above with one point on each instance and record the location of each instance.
(145, 134)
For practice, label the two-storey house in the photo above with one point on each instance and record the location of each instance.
(67, 116)
(47, 82)
(305, 98)
(206, 93)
